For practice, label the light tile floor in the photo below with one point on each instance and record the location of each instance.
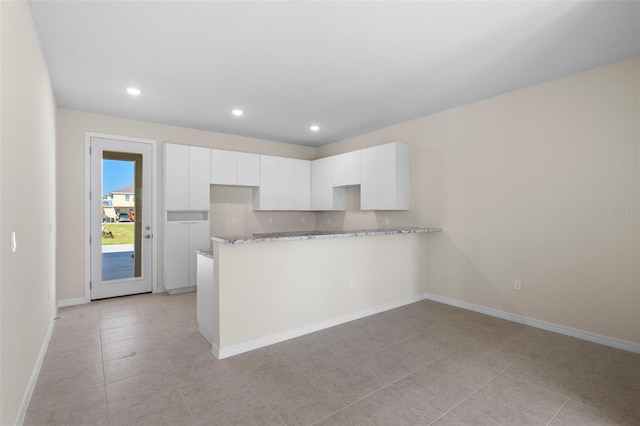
(139, 360)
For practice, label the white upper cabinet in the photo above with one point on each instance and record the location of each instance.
(265, 197)
(248, 169)
(369, 178)
(339, 169)
(176, 177)
(385, 177)
(223, 167)
(302, 185)
(186, 177)
(383, 172)
(352, 168)
(234, 168)
(286, 176)
(346, 169)
(199, 167)
(285, 184)
(324, 196)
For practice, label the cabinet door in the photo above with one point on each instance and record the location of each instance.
(339, 169)
(387, 179)
(199, 171)
(266, 196)
(321, 184)
(248, 173)
(285, 183)
(176, 255)
(223, 167)
(205, 299)
(352, 168)
(199, 238)
(368, 178)
(176, 177)
(403, 176)
(302, 185)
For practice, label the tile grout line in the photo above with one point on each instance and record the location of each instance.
(104, 376)
(261, 398)
(352, 404)
(558, 412)
(471, 394)
(391, 384)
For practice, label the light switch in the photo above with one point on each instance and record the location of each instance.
(14, 246)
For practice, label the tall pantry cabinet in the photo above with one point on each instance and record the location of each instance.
(186, 213)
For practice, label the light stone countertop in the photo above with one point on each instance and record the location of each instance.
(205, 252)
(316, 235)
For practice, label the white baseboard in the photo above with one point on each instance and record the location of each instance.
(545, 325)
(71, 302)
(221, 353)
(34, 376)
(215, 350)
(205, 334)
(181, 290)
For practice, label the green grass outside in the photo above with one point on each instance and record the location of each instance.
(122, 233)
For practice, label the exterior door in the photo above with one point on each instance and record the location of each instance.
(121, 217)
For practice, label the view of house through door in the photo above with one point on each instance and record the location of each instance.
(121, 216)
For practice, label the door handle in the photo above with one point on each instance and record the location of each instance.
(148, 236)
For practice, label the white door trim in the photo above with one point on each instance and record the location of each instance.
(87, 205)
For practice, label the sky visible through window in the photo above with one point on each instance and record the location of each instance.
(116, 174)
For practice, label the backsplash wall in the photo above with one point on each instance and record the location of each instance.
(232, 214)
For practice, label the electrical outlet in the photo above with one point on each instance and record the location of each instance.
(386, 221)
(234, 221)
(302, 219)
(517, 285)
(328, 220)
(352, 283)
(270, 220)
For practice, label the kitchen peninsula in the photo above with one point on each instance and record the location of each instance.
(261, 289)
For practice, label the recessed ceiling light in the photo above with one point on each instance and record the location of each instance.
(237, 112)
(314, 128)
(133, 91)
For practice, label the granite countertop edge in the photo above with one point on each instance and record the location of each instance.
(205, 252)
(318, 235)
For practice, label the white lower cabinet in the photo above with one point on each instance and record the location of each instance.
(206, 299)
(181, 239)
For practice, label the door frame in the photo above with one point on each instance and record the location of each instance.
(87, 207)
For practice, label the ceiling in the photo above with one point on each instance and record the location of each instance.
(349, 67)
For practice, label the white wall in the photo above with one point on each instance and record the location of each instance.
(72, 126)
(27, 205)
(308, 283)
(521, 185)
